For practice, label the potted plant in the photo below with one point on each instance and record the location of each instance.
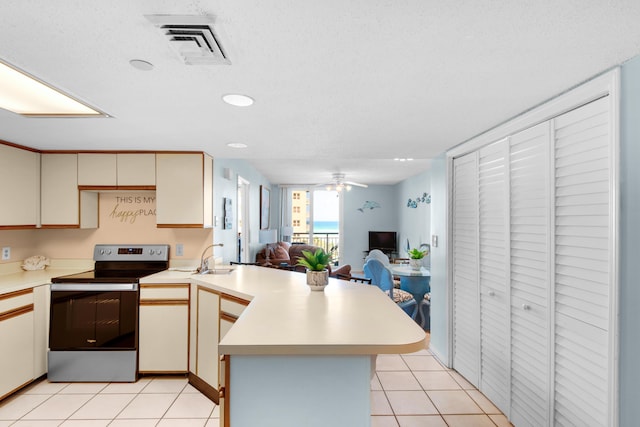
(415, 258)
(316, 264)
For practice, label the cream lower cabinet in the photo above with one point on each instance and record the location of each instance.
(16, 341)
(164, 328)
(213, 314)
(206, 310)
(41, 305)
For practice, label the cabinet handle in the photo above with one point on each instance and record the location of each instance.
(526, 307)
(91, 341)
(491, 293)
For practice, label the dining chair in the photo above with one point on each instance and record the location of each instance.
(379, 255)
(381, 277)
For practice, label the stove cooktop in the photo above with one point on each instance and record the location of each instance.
(121, 264)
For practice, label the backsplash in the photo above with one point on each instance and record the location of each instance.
(124, 218)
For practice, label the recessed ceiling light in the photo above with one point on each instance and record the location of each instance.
(141, 65)
(23, 94)
(236, 145)
(237, 99)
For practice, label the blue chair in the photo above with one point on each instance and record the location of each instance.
(381, 277)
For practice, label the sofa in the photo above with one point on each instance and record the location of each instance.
(281, 253)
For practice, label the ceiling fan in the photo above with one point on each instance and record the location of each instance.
(338, 183)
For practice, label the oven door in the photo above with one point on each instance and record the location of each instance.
(93, 316)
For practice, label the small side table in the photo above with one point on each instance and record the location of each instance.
(416, 282)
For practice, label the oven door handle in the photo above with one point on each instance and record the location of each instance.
(98, 287)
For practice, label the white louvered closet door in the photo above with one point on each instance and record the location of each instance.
(466, 325)
(530, 214)
(493, 180)
(583, 267)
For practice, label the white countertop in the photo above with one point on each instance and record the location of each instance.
(286, 317)
(13, 278)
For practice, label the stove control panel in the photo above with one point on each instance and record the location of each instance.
(131, 253)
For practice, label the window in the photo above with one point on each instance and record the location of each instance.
(315, 218)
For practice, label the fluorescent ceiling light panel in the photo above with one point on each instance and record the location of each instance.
(27, 96)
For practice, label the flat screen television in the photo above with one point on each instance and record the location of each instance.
(386, 241)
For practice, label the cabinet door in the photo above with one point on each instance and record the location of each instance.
(136, 169)
(41, 304)
(530, 276)
(97, 169)
(59, 197)
(164, 328)
(207, 334)
(16, 341)
(493, 205)
(584, 269)
(466, 324)
(184, 190)
(20, 192)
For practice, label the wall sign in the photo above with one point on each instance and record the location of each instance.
(425, 198)
(131, 208)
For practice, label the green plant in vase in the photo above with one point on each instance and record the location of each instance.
(316, 264)
(415, 257)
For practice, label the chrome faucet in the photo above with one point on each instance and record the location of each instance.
(204, 262)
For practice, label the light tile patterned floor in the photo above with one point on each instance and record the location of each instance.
(411, 390)
(415, 390)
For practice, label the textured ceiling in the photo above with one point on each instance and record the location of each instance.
(340, 86)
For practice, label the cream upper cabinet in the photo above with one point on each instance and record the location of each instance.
(20, 191)
(184, 186)
(117, 169)
(135, 169)
(59, 195)
(97, 169)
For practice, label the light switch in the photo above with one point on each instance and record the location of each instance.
(434, 241)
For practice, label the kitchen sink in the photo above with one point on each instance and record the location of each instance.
(218, 271)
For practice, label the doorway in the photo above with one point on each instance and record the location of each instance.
(243, 220)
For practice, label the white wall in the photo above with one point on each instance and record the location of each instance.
(629, 238)
(439, 342)
(223, 187)
(413, 223)
(357, 224)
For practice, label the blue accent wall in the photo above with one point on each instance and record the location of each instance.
(439, 343)
(629, 255)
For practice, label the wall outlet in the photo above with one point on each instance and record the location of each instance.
(179, 249)
(6, 253)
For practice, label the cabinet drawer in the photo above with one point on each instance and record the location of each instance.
(14, 300)
(164, 292)
(232, 305)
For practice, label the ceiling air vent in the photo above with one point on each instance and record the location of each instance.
(192, 37)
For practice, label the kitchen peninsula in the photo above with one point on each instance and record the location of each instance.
(289, 354)
(294, 354)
